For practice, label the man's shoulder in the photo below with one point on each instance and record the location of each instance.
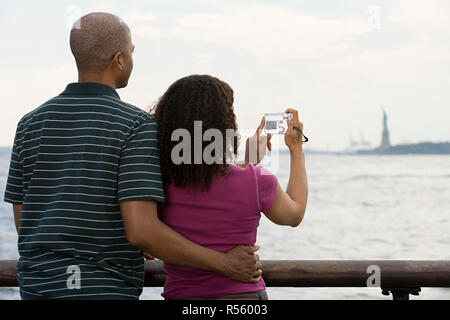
(126, 110)
(137, 113)
(36, 111)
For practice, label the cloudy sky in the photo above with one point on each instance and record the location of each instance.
(336, 61)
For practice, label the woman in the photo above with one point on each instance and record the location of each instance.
(218, 205)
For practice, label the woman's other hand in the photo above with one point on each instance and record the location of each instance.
(255, 146)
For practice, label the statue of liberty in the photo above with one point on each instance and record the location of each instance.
(385, 143)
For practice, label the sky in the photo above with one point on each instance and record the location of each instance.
(337, 62)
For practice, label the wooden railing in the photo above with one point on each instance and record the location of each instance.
(399, 277)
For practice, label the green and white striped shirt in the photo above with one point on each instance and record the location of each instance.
(74, 159)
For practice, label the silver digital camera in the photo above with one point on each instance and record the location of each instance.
(276, 123)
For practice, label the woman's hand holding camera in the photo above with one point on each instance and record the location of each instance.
(293, 136)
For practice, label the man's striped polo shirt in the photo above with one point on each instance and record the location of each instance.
(74, 159)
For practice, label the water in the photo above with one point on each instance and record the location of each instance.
(360, 207)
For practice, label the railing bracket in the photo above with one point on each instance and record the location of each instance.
(400, 293)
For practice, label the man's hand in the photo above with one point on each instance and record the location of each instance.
(255, 146)
(243, 264)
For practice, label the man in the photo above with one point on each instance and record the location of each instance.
(85, 180)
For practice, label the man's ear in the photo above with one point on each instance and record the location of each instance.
(118, 60)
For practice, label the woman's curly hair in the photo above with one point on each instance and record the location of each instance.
(195, 98)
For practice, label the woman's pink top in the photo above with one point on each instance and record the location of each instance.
(224, 216)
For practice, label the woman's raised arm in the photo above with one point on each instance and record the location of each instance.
(289, 206)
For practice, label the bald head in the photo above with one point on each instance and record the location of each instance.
(95, 38)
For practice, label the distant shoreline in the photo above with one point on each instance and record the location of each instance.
(442, 148)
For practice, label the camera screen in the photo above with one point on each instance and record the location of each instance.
(271, 125)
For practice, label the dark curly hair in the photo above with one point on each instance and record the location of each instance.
(195, 98)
